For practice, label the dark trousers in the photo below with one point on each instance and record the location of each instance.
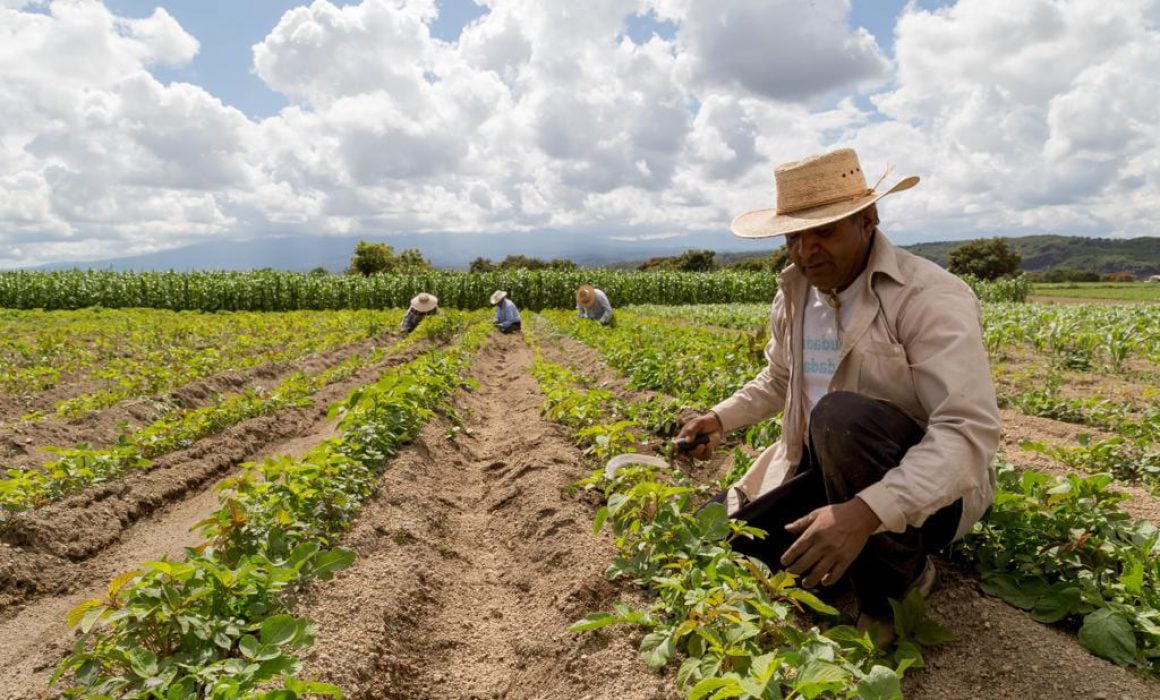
(853, 441)
(513, 328)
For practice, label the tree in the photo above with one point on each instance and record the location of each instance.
(774, 262)
(319, 272)
(371, 258)
(481, 264)
(375, 258)
(688, 261)
(985, 258)
(411, 260)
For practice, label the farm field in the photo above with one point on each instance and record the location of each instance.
(1080, 292)
(392, 516)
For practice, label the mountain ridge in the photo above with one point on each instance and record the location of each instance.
(1140, 256)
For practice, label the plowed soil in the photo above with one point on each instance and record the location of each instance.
(55, 557)
(998, 651)
(22, 443)
(472, 563)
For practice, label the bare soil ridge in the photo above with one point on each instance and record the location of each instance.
(45, 551)
(998, 651)
(21, 443)
(472, 563)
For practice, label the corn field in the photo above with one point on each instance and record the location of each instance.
(269, 290)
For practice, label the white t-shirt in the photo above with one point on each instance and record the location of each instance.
(822, 339)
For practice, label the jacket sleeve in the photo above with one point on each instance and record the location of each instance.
(764, 395)
(605, 311)
(941, 330)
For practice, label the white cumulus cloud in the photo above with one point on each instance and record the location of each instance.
(1021, 117)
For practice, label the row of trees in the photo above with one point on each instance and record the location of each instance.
(985, 258)
(706, 261)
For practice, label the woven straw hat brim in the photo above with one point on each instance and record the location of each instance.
(425, 306)
(763, 223)
(586, 296)
(498, 297)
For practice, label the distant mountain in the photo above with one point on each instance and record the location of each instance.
(1140, 256)
(445, 250)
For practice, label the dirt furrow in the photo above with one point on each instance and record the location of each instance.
(1017, 428)
(999, 651)
(46, 551)
(472, 564)
(22, 443)
(36, 637)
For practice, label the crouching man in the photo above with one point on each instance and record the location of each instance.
(876, 361)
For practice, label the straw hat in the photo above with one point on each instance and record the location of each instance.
(424, 302)
(586, 296)
(814, 192)
(498, 296)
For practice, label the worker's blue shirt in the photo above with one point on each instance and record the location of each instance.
(506, 314)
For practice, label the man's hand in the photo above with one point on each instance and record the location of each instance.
(706, 424)
(829, 540)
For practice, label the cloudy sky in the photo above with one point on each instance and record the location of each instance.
(133, 126)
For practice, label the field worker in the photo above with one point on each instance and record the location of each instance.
(876, 361)
(593, 304)
(422, 304)
(507, 316)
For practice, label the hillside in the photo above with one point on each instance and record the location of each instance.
(1140, 256)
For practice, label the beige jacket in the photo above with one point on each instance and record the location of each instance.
(915, 340)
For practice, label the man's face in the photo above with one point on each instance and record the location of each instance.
(832, 256)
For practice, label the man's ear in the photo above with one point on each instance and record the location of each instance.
(870, 216)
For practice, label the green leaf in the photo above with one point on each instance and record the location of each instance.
(1133, 577)
(657, 648)
(184, 690)
(143, 662)
(818, 671)
(708, 685)
(279, 629)
(1022, 594)
(812, 601)
(1106, 633)
(1060, 602)
(880, 684)
(595, 621)
(930, 633)
(331, 561)
(601, 516)
(713, 520)
(313, 688)
(249, 646)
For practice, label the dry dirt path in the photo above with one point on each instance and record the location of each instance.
(36, 637)
(46, 551)
(118, 526)
(472, 563)
(21, 444)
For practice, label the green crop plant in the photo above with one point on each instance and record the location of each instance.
(1136, 461)
(1061, 548)
(742, 630)
(217, 625)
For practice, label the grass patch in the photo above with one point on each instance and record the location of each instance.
(1121, 291)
